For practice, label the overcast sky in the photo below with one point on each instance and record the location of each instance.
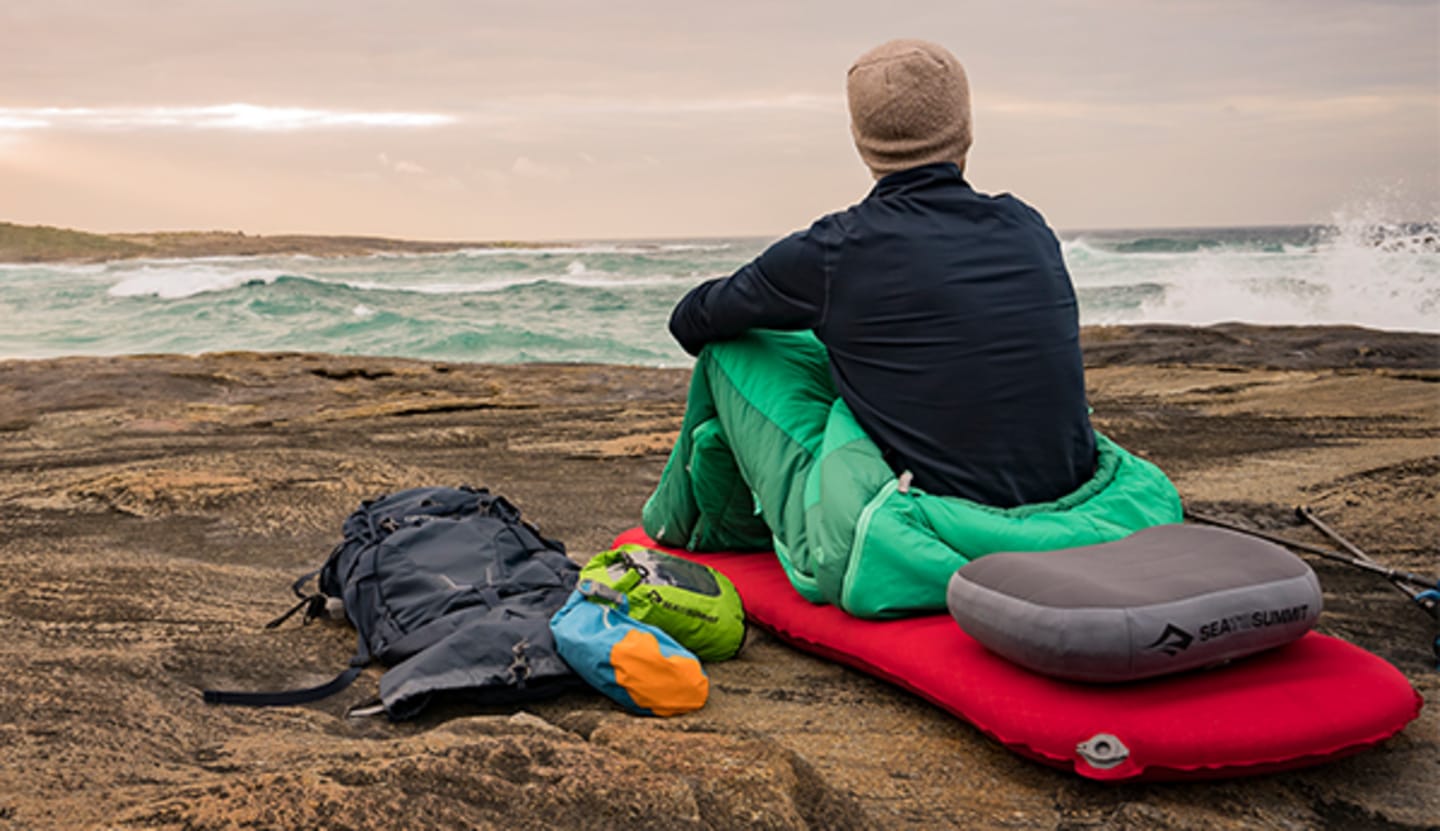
(527, 119)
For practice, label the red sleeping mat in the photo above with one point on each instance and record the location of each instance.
(1317, 699)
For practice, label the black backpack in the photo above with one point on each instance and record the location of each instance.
(450, 589)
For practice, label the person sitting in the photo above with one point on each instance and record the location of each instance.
(898, 388)
(949, 316)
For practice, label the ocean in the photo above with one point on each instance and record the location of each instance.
(609, 301)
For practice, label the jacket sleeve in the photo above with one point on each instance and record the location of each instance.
(783, 288)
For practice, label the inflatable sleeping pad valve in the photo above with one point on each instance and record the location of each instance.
(1102, 751)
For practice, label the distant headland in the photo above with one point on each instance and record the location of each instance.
(45, 244)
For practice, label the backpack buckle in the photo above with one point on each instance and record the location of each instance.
(314, 606)
(519, 663)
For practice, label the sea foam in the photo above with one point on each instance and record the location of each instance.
(1364, 272)
(610, 301)
(187, 279)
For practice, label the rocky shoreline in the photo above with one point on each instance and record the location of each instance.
(157, 507)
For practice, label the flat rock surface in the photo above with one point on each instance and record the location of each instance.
(156, 509)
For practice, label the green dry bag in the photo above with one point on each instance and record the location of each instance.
(695, 604)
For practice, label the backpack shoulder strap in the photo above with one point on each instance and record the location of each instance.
(502, 509)
(281, 698)
(314, 606)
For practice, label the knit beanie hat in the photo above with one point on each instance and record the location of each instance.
(909, 106)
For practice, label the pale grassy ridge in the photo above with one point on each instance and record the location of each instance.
(39, 243)
(43, 244)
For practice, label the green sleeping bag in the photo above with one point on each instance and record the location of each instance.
(769, 457)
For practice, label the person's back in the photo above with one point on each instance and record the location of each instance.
(953, 336)
(949, 316)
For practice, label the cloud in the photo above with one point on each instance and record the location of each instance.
(401, 165)
(1270, 107)
(567, 106)
(1347, 108)
(263, 118)
(798, 102)
(527, 168)
(244, 117)
(17, 122)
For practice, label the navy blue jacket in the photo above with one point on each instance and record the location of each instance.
(952, 329)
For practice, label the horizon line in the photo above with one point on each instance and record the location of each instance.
(661, 237)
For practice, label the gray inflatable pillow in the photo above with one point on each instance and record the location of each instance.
(1162, 600)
